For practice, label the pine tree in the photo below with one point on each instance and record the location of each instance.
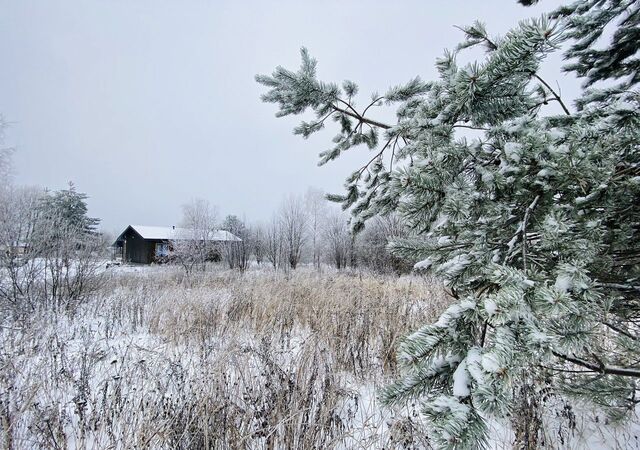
(68, 208)
(533, 223)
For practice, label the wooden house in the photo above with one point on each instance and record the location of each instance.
(146, 244)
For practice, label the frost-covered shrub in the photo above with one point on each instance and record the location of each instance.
(50, 251)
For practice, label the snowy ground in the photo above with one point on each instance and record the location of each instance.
(229, 361)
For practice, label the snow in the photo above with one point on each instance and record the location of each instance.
(486, 175)
(563, 283)
(626, 106)
(528, 283)
(556, 133)
(591, 196)
(455, 265)
(544, 173)
(441, 221)
(515, 126)
(490, 363)
(558, 150)
(461, 380)
(490, 306)
(453, 312)
(445, 403)
(513, 241)
(423, 265)
(129, 357)
(474, 364)
(512, 150)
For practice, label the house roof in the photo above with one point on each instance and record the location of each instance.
(176, 233)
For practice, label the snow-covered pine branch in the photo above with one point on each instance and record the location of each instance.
(534, 223)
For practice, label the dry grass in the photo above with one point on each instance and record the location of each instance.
(358, 319)
(227, 361)
(223, 361)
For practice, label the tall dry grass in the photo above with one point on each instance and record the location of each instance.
(224, 361)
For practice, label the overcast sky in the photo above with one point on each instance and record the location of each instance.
(145, 105)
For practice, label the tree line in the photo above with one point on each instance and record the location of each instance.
(305, 230)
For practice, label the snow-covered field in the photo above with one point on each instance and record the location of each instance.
(231, 361)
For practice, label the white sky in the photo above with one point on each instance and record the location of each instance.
(145, 105)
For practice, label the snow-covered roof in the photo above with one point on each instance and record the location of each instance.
(224, 235)
(177, 233)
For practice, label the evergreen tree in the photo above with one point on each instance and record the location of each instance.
(68, 207)
(234, 225)
(533, 223)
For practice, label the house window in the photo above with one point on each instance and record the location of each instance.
(162, 249)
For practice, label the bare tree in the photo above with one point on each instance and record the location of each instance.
(259, 243)
(200, 216)
(293, 220)
(245, 246)
(186, 250)
(71, 258)
(67, 241)
(19, 273)
(5, 160)
(192, 245)
(274, 243)
(372, 244)
(316, 205)
(338, 239)
(49, 250)
(237, 253)
(5, 168)
(20, 269)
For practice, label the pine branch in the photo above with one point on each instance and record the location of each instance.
(600, 368)
(469, 127)
(376, 100)
(554, 93)
(361, 118)
(621, 331)
(530, 208)
(376, 156)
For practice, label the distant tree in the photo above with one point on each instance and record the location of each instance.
(274, 243)
(337, 238)
(258, 241)
(19, 273)
(68, 207)
(20, 251)
(50, 249)
(192, 246)
(316, 206)
(532, 217)
(5, 159)
(71, 252)
(373, 243)
(237, 253)
(293, 225)
(5, 168)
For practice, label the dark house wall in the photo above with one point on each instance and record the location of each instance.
(137, 249)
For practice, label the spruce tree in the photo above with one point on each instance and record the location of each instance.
(68, 207)
(532, 220)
